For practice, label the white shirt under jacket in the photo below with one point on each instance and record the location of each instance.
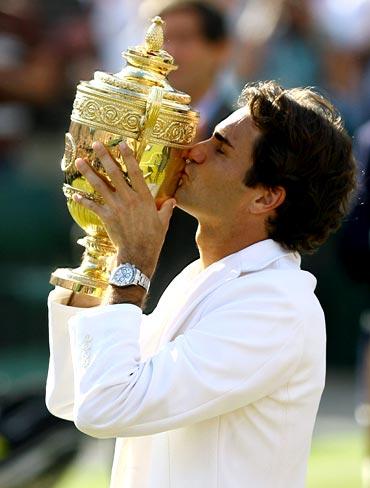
(218, 388)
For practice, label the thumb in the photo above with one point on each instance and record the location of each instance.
(165, 212)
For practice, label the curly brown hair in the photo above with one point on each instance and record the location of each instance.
(304, 148)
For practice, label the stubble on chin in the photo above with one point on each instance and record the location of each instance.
(182, 198)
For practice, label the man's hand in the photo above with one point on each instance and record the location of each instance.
(134, 224)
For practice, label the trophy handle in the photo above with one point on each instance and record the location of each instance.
(150, 117)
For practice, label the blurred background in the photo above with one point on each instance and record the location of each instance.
(46, 48)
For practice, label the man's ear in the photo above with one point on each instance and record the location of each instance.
(267, 199)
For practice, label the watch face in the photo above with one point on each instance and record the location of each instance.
(124, 275)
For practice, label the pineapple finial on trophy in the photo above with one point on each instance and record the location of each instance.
(154, 35)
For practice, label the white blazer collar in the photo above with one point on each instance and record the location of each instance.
(263, 254)
(203, 282)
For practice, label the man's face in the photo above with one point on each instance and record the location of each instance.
(197, 58)
(212, 187)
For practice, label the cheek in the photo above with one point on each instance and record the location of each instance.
(218, 188)
(226, 188)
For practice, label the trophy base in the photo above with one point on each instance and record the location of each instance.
(73, 280)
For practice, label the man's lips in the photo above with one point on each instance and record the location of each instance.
(183, 175)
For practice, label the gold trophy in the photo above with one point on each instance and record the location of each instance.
(138, 106)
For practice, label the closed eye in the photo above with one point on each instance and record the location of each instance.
(222, 139)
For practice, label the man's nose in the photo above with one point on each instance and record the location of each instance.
(196, 154)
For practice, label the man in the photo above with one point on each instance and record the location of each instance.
(220, 385)
(196, 35)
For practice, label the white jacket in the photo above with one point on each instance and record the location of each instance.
(218, 388)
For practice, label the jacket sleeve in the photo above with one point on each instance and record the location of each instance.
(60, 382)
(235, 355)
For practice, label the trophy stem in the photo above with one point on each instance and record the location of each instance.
(91, 277)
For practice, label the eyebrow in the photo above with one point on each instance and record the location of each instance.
(217, 135)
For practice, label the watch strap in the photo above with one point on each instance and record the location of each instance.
(118, 279)
(141, 279)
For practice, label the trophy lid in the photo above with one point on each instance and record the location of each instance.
(120, 98)
(147, 65)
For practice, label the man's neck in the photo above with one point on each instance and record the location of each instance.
(215, 242)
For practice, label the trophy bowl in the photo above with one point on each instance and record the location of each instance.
(137, 106)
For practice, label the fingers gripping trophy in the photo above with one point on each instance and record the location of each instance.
(139, 107)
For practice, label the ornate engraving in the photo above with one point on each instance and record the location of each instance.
(90, 110)
(101, 113)
(101, 245)
(69, 191)
(109, 114)
(175, 130)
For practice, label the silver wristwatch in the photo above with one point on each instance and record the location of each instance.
(127, 275)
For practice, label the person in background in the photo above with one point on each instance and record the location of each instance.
(277, 40)
(345, 53)
(28, 75)
(196, 35)
(37, 63)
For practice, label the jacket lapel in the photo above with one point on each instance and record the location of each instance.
(201, 286)
(253, 258)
